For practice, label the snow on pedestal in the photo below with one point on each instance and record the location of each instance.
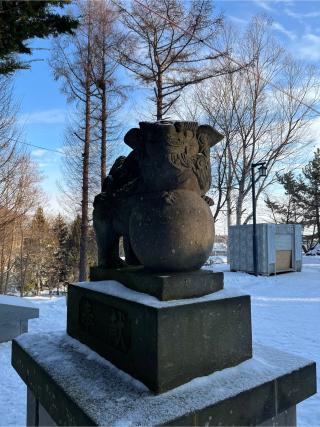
(78, 387)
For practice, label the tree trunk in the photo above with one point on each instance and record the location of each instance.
(103, 88)
(228, 224)
(159, 97)
(85, 164)
(9, 259)
(229, 195)
(2, 263)
(85, 191)
(318, 223)
(229, 189)
(103, 133)
(21, 262)
(239, 207)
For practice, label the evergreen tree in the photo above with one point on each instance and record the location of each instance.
(35, 262)
(74, 246)
(307, 193)
(287, 212)
(304, 196)
(39, 229)
(41, 250)
(61, 253)
(21, 21)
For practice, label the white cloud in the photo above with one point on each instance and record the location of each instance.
(286, 2)
(308, 47)
(292, 14)
(39, 152)
(237, 20)
(314, 130)
(43, 165)
(54, 115)
(279, 27)
(264, 5)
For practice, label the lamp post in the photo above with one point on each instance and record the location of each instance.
(262, 172)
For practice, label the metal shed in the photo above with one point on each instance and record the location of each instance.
(278, 245)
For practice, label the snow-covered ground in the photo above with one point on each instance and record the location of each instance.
(12, 388)
(285, 315)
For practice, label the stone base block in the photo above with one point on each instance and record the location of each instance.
(73, 386)
(163, 344)
(164, 286)
(38, 416)
(14, 315)
(286, 418)
(12, 329)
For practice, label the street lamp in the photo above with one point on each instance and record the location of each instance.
(262, 173)
(262, 170)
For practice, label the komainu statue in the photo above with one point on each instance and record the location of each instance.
(156, 199)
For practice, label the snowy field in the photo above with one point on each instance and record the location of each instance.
(285, 315)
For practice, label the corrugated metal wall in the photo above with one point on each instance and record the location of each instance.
(271, 238)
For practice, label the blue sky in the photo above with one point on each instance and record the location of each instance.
(43, 109)
(296, 23)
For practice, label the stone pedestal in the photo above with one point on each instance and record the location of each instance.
(74, 386)
(161, 361)
(164, 286)
(14, 315)
(163, 344)
(38, 416)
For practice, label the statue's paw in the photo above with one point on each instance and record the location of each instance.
(114, 263)
(119, 263)
(208, 200)
(169, 197)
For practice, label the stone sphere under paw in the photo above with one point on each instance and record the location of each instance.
(172, 232)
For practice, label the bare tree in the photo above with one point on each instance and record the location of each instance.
(110, 94)
(8, 136)
(85, 65)
(72, 63)
(22, 196)
(166, 46)
(18, 182)
(72, 164)
(260, 121)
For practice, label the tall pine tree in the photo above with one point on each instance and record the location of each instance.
(74, 246)
(287, 212)
(303, 197)
(21, 21)
(308, 193)
(61, 252)
(35, 262)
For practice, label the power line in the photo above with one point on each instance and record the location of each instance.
(186, 31)
(40, 147)
(235, 61)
